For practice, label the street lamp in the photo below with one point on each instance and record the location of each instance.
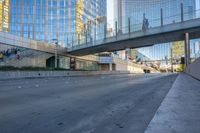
(171, 51)
(56, 52)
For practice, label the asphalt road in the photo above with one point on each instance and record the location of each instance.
(96, 104)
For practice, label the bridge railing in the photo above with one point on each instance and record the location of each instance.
(129, 27)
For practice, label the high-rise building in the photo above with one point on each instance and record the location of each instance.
(47, 20)
(4, 15)
(136, 10)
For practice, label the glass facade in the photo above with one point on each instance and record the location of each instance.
(4, 15)
(47, 20)
(136, 10)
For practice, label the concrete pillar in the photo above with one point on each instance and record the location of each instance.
(187, 49)
(110, 66)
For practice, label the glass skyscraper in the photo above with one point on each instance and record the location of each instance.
(47, 20)
(135, 10)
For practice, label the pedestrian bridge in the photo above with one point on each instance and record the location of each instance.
(134, 37)
(131, 36)
(162, 34)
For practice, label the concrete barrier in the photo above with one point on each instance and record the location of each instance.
(42, 74)
(194, 69)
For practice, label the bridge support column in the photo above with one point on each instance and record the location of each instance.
(187, 49)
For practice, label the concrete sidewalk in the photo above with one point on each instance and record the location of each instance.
(180, 110)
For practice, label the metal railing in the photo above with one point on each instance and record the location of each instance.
(95, 34)
(119, 33)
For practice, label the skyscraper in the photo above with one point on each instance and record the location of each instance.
(4, 15)
(136, 10)
(45, 20)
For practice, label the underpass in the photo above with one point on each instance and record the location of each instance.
(94, 104)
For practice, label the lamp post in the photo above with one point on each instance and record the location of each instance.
(171, 51)
(56, 52)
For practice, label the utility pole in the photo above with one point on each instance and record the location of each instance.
(56, 55)
(56, 52)
(171, 51)
(187, 49)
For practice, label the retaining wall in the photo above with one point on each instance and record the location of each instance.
(194, 69)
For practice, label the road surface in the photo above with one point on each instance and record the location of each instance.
(95, 104)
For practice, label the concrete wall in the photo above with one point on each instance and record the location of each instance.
(194, 69)
(90, 62)
(122, 65)
(39, 61)
(42, 74)
(26, 58)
